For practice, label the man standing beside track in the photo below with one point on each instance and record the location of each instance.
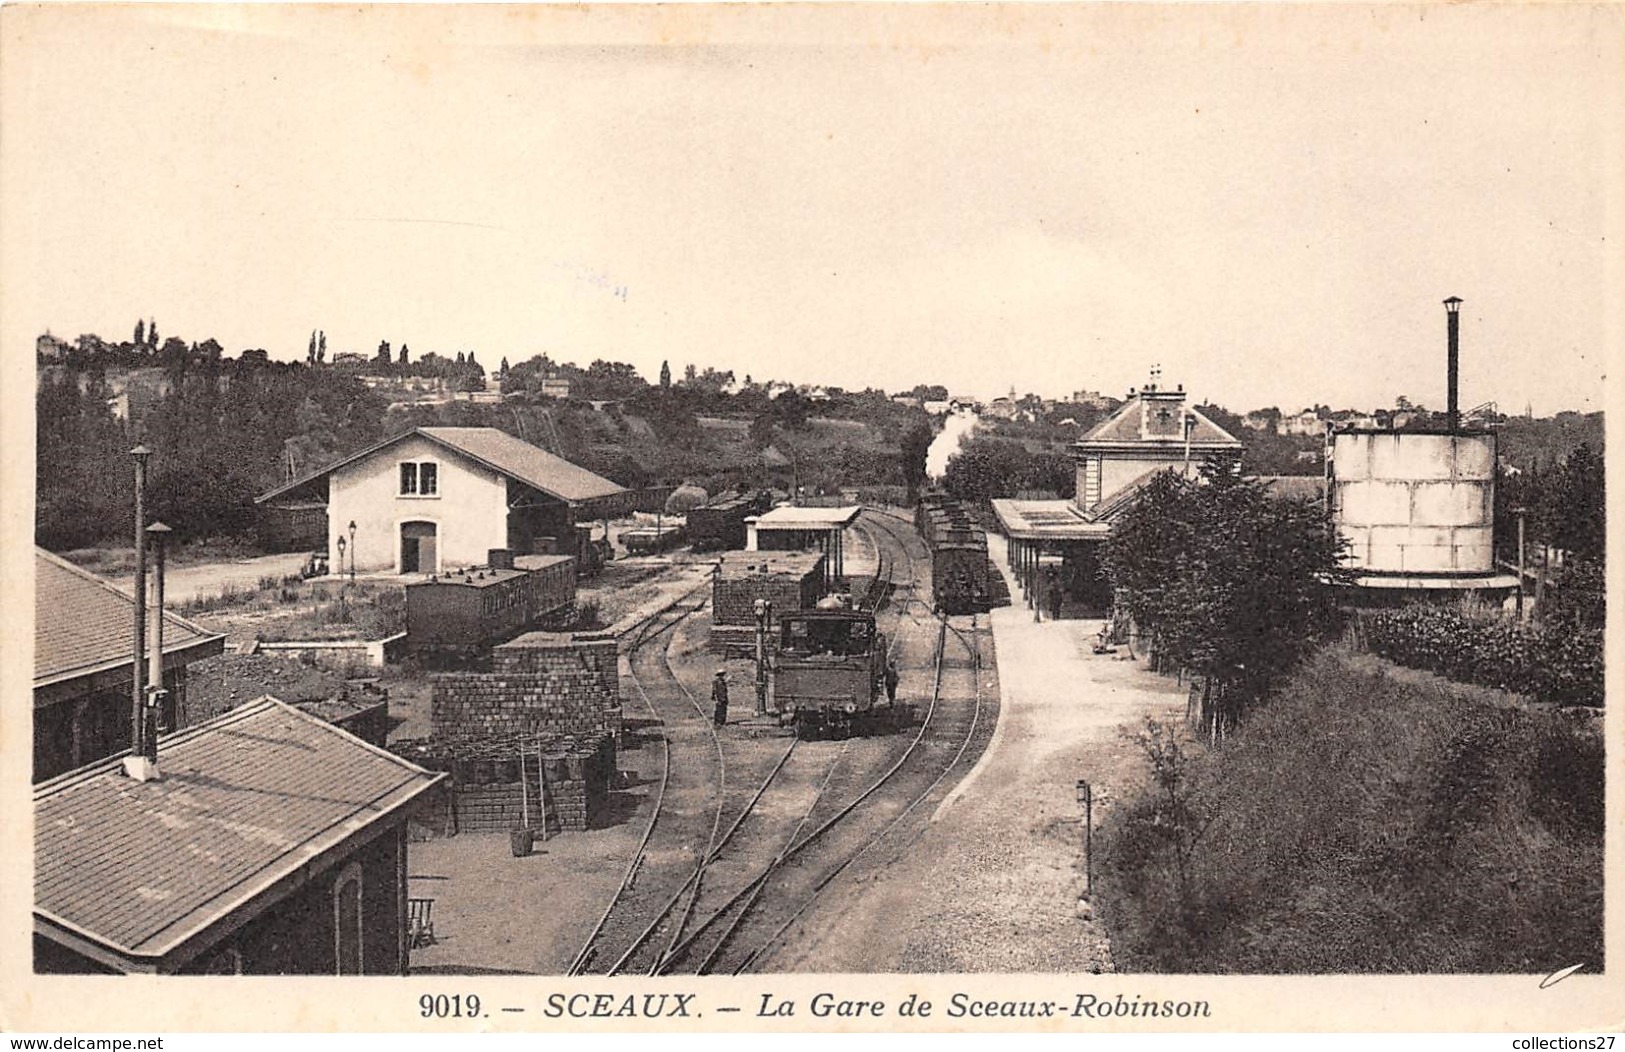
(719, 695)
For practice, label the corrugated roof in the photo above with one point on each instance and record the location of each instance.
(1057, 520)
(498, 451)
(84, 623)
(245, 800)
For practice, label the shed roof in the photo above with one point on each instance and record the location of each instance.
(246, 802)
(497, 450)
(1039, 520)
(85, 624)
(789, 517)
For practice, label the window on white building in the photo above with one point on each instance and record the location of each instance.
(420, 479)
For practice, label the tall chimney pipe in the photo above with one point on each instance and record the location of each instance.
(138, 685)
(155, 668)
(1452, 308)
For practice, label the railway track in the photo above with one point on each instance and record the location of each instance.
(843, 823)
(815, 813)
(645, 919)
(686, 812)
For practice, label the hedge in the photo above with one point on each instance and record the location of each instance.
(1559, 663)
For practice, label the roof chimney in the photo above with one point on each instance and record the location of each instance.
(1452, 308)
(136, 765)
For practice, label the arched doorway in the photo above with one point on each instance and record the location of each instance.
(418, 547)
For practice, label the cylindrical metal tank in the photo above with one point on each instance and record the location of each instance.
(1413, 502)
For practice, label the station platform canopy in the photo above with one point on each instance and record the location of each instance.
(790, 517)
(1048, 520)
(792, 528)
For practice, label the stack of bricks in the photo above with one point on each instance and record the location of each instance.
(541, 683)
(488, 796)
(789, 580)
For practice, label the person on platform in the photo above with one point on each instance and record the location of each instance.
(891, 681)
(719, 696)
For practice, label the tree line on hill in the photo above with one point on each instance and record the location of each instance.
(223, 430)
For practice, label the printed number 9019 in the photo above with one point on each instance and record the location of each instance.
(441, 1006)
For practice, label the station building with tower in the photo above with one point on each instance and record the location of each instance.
(1057, 543)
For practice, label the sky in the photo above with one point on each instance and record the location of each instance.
(1270, 203)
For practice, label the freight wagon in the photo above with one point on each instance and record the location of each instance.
(962, 579)
(469, 611)
(720, 524)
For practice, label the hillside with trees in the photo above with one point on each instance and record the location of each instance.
(223, 430)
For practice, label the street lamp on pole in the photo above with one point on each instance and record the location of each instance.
(352, 551)
(764, 613)
(1086, 799)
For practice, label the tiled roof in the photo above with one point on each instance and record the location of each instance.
(534, 467)
(1126, 425)
(84, 624)
(497, 450)
(246, 800)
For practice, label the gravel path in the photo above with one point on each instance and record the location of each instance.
(994, 884)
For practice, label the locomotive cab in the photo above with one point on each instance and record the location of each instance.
(830, 671)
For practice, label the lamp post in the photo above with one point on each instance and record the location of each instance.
(764, 612)
(352, 552)
(1520, 512)
(1086, 799)
(341, 546)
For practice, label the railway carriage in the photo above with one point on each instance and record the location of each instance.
(470, 611)
(829, 674)
(720, 524)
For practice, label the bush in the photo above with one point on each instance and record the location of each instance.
(1559, 662)
(1360, 824)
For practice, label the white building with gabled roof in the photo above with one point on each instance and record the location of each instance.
(435, 498)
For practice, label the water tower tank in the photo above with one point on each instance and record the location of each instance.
(1411, 502)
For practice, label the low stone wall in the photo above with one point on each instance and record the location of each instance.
(341, 654)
